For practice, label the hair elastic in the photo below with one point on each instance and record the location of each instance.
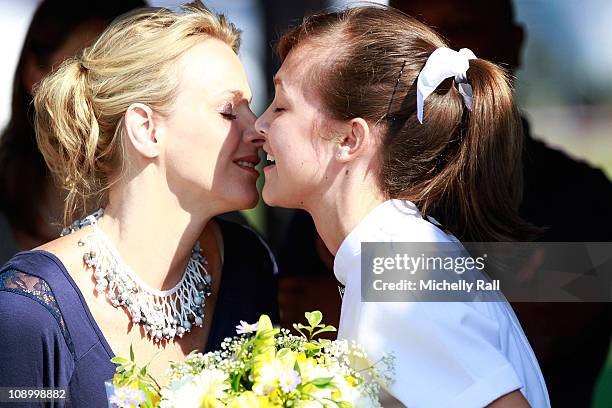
(444, 63)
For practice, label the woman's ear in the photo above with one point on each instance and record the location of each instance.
(355, 140)
(141, 129)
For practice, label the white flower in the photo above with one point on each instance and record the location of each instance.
(288, 380)
(245, 328)
(262, 389)
(177, 392)
(191, 391)
(126, 397)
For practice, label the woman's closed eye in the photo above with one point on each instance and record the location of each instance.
(277, 110)
(228, 112)
(229, 116)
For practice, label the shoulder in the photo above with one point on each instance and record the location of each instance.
(64, 247)
(36, 351)
(30, 266)
(33, 278)
(398, 220)
(66, 253)
(411, 229)
(29, 313)
(22, 309)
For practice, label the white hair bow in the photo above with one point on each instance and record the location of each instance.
(444, 63)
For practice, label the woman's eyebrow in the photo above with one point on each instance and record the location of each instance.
(236, 93)
(278, 81)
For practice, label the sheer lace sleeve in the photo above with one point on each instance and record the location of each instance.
(38, 290)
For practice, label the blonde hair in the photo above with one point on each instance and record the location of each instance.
(80, 107)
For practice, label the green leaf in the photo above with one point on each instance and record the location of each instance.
(298, 329)
(314, 318)
(236, 383)
(324, 330)
(120, 360)
(324, 343)
(307, 328)
(321, 381)
(131, 353)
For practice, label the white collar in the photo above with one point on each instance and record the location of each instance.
(370, 228)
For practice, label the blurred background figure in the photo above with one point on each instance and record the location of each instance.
(30, 204)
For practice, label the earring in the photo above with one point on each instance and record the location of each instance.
(342, 151)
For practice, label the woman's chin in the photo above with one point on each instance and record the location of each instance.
(269, 197)
(275, 199)
(243, 201)
(250, 201)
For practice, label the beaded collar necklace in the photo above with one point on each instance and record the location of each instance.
(164, 314)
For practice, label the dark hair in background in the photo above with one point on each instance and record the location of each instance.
(23, 172)
(463, 167)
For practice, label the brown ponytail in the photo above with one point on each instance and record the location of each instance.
(462, 167)
(478, 189)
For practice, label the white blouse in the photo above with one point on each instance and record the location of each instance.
(447, 354)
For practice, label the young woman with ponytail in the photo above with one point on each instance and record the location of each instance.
(375, 127)
(149, 131)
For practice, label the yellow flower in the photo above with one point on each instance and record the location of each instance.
(310, 369)
(286, 359)
(352, 381)
(315, 392)
(265, 332)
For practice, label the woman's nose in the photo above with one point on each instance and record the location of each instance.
(261, 126)
(253, 137)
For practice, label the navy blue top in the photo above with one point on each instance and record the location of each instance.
(48, 337)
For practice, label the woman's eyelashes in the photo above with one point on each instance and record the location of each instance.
(228, 112)
(276, 108)
(229, 116)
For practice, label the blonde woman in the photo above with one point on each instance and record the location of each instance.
(152, 125)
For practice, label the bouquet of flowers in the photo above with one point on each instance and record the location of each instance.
(261, 367)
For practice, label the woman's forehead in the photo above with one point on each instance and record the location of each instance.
(299, 72)
(213, 67)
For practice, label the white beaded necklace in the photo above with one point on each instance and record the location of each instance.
(164, 314)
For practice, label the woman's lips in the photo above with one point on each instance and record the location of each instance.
(270, 162)
(248, 163)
